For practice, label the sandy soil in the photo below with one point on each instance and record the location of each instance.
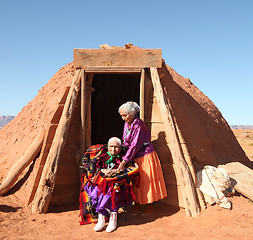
(165, 223)
(245, 138)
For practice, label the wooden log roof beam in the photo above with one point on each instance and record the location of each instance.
(117, 59)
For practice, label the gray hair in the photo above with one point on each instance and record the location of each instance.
(130, 107)
(117, 140)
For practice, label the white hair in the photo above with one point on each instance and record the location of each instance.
(130, 107)
(117, 140)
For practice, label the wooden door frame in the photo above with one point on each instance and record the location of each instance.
(86, 91)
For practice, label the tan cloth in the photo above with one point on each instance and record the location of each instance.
(152, 186)
(213, 182)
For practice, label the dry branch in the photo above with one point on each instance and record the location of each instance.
(22, 163)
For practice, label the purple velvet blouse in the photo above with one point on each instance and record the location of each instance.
(136, 140)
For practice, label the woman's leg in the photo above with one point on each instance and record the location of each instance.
(147, 209)
(101, 222)
(134, 210)
(112, 222)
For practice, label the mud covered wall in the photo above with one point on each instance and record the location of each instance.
(17, 135)
(207, 134)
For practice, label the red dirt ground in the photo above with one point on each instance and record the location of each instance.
(166, 223)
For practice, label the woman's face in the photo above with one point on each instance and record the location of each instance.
(127, 118)
(114, 148)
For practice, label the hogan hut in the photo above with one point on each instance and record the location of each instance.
(41, 148)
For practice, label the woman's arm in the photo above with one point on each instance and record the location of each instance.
(136, 141)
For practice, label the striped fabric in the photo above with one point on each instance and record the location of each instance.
(95, 177)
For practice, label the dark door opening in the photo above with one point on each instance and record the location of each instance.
(111, 90)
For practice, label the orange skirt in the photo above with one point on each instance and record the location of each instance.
(152, 186)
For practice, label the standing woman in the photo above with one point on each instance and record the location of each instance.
(138, 147)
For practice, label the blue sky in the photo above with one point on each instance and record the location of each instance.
(208, 41)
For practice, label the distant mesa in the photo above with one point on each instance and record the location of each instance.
(241, 126)
(4, 120)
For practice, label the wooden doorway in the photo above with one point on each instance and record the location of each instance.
(111, 90)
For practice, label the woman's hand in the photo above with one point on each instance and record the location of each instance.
(108, 172)
(122, 166)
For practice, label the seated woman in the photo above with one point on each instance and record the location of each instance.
(107, 188)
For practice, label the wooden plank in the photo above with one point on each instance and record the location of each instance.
(174, 197)
(157, 131)
(156, 116)
(173, 200)
(83, 111)
(142, 58)
(67, 174)
(57, 114)
(169, 178)
(168, 167)
(47, 181)
(170, 174)
(44, 153)
(65, 194)
(186, 154)
(163, 152)
(64, 97)
(88, 112)
(241, 178)
(35, 184)
(67, 158)
(74, 135)
(76, 116)
(42, 159)
(111, 69)
(142, 95)
(158, 136)
(190, 199)
(69, 155)
(50, 134)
